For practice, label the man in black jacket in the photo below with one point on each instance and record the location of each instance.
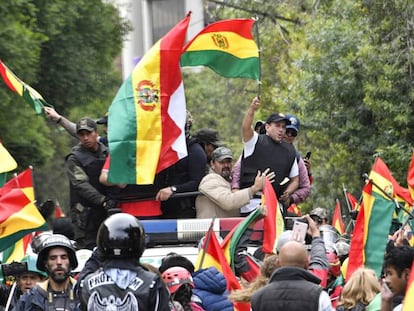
(87, 194)
(292, 287)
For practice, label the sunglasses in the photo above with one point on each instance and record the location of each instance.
(292, 133)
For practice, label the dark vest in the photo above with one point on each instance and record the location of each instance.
(99, 292)
(91, 163)
(289, 289)
(267, 153)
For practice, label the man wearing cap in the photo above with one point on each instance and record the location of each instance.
(57, 258)
(70, 126)
(268, 151)
(87, 194)
(304, 188)
(217, 199)
(209, 140)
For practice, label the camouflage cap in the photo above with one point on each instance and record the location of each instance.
(221, 153)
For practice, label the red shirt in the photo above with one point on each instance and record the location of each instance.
(149, 208)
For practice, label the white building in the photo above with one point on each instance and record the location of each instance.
(151, 19)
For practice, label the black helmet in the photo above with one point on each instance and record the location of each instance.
(52, 241)
(121, 236)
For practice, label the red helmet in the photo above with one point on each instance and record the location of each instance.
(174, 277)
(334, 263)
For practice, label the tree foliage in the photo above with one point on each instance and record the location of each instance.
(70, 59)
(344, 67)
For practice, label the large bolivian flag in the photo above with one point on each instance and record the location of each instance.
(147, 117)
(227, 47)
(29, 94)
(18, 213)
(373, 222)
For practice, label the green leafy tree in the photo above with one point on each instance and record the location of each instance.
(70, 59)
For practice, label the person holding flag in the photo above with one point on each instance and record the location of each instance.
(268, 151)
(87, 195)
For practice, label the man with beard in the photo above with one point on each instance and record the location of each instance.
(217, 199)
(57, 258)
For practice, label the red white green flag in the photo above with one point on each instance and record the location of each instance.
(29, 94)
(147, 117)
(227, 47)
(373, 222)
(337, 221)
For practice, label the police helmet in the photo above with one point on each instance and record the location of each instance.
(31, 260)
(53, 241)
(121, 236)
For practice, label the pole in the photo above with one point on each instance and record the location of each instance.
(206, 242)
(346, 198)
(259, 81)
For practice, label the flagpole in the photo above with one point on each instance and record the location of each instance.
(259, 82)
(206, 242)
(346, 198)
(397, 205)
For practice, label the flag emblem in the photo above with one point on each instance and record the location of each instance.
(147, 95)
(220, 41)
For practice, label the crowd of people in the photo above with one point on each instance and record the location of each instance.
(105, 222)
(299, 276)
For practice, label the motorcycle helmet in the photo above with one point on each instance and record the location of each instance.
(175, 277)
(121, 236)
(53, 241)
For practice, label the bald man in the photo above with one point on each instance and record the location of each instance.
(292, 287)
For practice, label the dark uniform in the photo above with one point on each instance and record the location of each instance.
(112, 278)
(87, 194)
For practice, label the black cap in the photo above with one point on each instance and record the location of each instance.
(209, 136)
(103, 120)
(277, 117)
(86, 124)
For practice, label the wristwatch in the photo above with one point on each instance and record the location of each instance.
(173, 189)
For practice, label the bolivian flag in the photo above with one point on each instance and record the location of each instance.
(273, 224)
(337, 221)
(18, 213)
(29, 94)
(7, 164)
(213, 255)
(147, 117)
(373, 223)
(227, 47)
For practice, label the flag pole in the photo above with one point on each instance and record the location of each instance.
(397, 205)
(206, 242)
(346, 198)
(259, 81)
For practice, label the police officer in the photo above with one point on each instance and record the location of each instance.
(57, 258)
(113, 279)
(87, 194)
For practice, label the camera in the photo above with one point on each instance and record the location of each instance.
(14, 269)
